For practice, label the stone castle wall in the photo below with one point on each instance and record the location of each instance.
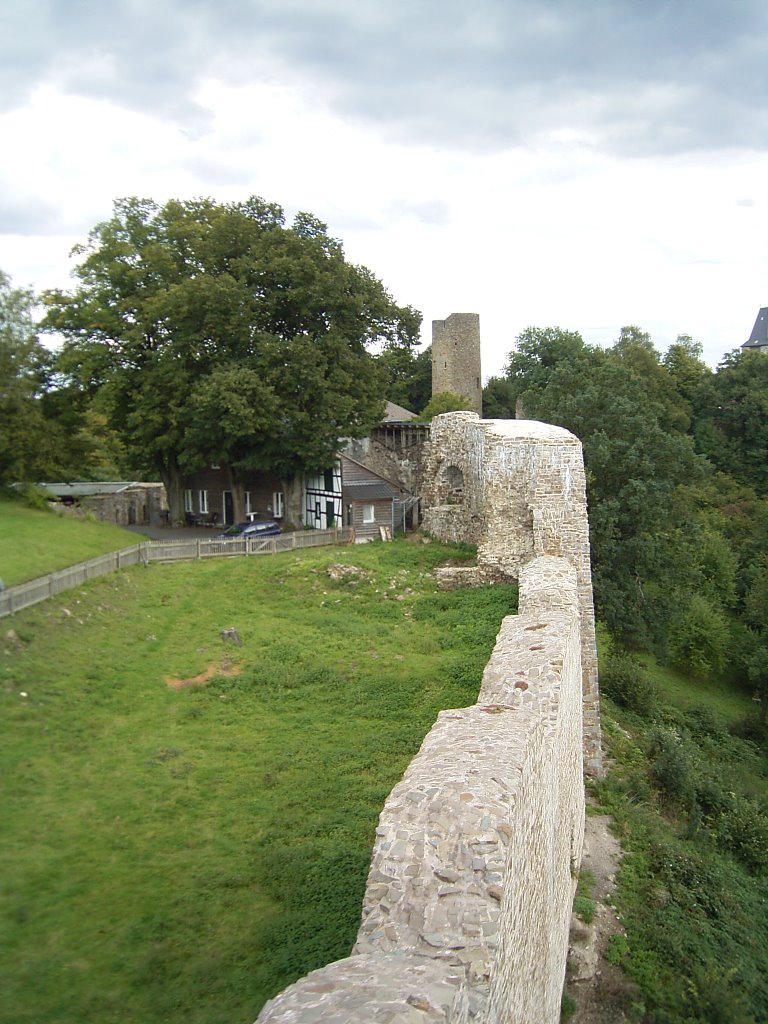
(516, 489)
(467, 905)
(395, 455)
(456, 357)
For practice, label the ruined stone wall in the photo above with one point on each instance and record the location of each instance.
(403, 464)
(133, 507)
(467, 906)
(516, 489)
(456, 357)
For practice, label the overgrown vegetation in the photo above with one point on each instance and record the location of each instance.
(583, 905)
(182, 854)
(678, 508)
(689, 794)
(676, 484)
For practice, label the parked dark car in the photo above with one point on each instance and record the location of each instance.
(265, 528)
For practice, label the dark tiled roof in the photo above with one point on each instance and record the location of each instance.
(369, 490)
(759, 336)
(86, 488)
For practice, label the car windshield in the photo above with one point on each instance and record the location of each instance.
(234, 531)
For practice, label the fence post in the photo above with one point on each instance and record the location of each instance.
(198, 548)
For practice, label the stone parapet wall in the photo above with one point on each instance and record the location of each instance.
(467, 905)
(516, 489)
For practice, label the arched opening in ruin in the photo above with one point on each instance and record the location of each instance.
(453, 485)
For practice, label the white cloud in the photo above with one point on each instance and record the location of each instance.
(587, 165)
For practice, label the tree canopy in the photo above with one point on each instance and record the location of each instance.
(676, 479)
(215, 332)
(45, 433)
(444, 401)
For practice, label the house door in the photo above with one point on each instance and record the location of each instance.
(330, 517)
(229, 507)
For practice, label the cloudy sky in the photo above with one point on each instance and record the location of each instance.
(574, 163)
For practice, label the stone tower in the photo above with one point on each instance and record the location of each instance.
(456, 358)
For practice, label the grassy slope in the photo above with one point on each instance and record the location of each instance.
(35, 542)
(689, 798)
(182, 855)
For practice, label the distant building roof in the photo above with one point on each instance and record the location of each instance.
(82, 489)
(759, 336)
(369, 490)
(397, 413)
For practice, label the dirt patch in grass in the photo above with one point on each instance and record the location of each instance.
(214, 671)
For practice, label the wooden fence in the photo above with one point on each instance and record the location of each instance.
(13, 599)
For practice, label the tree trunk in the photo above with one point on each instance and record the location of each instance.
(174, 489)
(238, 497)
(293, 491)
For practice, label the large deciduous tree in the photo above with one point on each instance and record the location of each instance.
(621, 404)
(733, 429)
(22, 361)
(216, 333)
(44, 433)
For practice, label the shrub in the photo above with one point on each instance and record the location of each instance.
(617, 949)
(674, 766)
(699, 639)
(27, 495)
(625, 680)
(752, 727)
(702, 721)
(743, 829)
(584, 908)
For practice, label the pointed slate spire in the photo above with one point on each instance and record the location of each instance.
(758, 339)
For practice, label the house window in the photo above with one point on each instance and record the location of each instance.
(203, 496)
(369, 514)
(188, 506)
(248, 508)
(278, 504)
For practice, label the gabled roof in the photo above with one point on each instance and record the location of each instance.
(759, 336)
(396, 413)
(369, 490)
(395, 487)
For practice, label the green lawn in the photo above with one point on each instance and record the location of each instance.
(35, 542)
(181, 855)
(727, 702)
